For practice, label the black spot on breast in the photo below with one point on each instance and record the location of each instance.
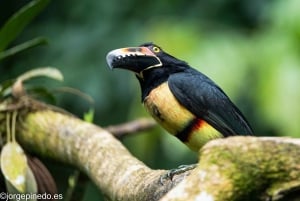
(157, 113)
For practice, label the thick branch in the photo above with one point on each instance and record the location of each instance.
(63, 137)
(243, 168)
(229, 169)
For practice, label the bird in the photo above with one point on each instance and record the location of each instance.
(184, 101)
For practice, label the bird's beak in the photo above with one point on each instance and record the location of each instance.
(136, 59)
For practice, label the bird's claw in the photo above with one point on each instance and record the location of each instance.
(171, 173)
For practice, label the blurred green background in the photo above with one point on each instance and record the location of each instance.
(250, 48)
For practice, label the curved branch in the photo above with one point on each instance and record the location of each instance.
(48, 132)
(234, 168)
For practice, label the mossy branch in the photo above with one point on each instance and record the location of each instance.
(244, 168)
(237, 168)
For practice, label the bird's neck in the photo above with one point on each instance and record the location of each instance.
(156, 76)
(151, 79)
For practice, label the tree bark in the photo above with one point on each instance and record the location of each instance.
(244, 168)
(236, 168)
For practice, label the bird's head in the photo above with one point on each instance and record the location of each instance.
(142, 58)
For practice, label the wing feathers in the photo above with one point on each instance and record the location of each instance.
(206, 100)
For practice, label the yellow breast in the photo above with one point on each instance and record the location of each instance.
(173, 117)
(166, 110)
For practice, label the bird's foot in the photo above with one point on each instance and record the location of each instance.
(171, 173)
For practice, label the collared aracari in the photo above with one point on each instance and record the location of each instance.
(181, 99)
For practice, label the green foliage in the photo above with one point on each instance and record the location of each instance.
(15, 87)
(89, 116)
(24, 46)
(15, 25)
(18, 176)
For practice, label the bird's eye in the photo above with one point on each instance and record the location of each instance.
(155, 49)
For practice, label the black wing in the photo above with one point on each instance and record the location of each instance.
(206, 100)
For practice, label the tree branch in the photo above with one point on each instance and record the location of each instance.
(234, 168)
(131, 127)
(48, 132)
(243, 168)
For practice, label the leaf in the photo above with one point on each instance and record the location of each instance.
(16, 23)
(31, 188)
(89, 116)
(47, 71)
(18, 89)
(31, 184)
(22, 47)
(14, 165)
